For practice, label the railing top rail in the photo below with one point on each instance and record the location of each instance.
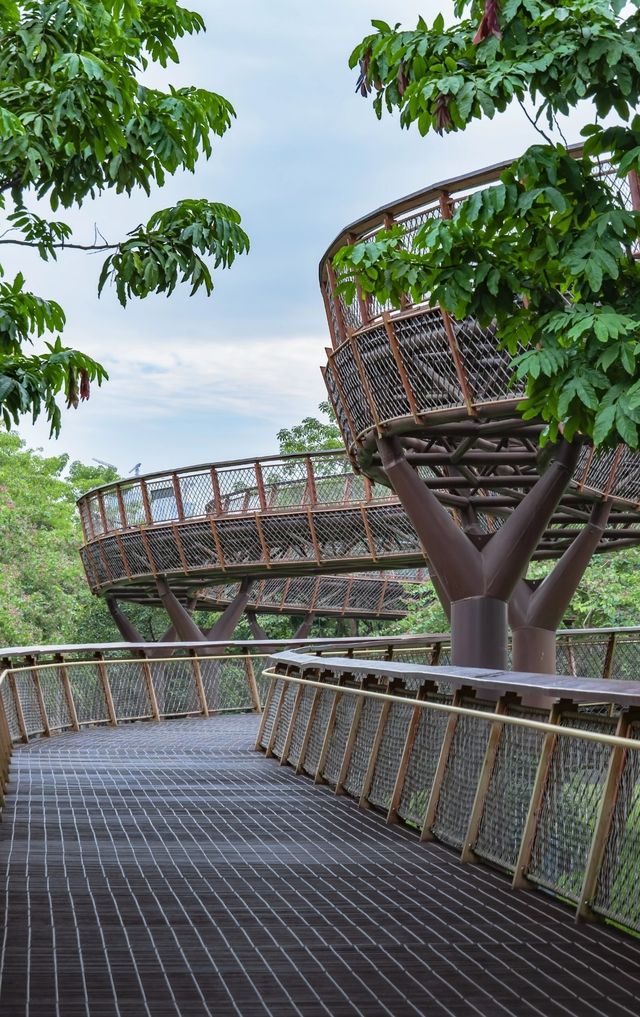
(587, 690)
(453, 185)
(343, 642)
(465, 711)
(285, 457)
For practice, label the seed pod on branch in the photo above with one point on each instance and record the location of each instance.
(402, 80)
(72, 388)
(85, 387)
(489, 24)
(443, 117)
(363, 85)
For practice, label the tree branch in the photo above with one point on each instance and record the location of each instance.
(62, 246)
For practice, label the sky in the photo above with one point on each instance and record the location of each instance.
(199, 379)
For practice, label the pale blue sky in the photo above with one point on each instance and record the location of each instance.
(200, 379)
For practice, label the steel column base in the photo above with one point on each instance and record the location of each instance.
(479, 633)
(533, 649)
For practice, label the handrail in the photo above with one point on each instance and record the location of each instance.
(409, 202)
(466, 760)
(460, 711)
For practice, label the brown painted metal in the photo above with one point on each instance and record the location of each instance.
(106, 687)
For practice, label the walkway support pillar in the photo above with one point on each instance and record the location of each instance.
(185, 627)
(304, 628)
(256, 628)
(537, 608)
(478, 573)
(224, 627)
(129, 632)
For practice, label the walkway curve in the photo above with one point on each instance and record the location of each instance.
(186, 875)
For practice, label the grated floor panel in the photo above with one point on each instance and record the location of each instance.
(168, 869)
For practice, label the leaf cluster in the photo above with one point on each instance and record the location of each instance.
(548, 255)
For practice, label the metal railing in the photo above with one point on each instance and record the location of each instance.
(549, 793)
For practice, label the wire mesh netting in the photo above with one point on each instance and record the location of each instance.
(618, 889)
(286, 712)
(569, 808)
(318, 730)
(361, 753)
(388, 758)
(509, 793)
(271, 710)
(129, 689)
(461, 776)
(55, 701)
(300, 728)
(338, 740)
(9, 707)
(26, 690)
(88, 693)
(422, 764)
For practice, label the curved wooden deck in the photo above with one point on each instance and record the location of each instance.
(161, 869)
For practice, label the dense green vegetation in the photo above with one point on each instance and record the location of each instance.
(547, 253)
(77, 119)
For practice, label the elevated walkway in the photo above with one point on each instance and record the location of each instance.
(167, 869)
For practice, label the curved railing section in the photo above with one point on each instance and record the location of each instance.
(417, 370)
(287, 515)
(538, 775)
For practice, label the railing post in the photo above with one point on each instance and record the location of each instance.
(68, 693)
(13, 685)
(373, 755)
(348, 749)
(520, 881)
(307, 731)
(326, 741)
(197, 675)
(604, 819)
(608, 657)
(441, 769)
(251, 682)
(484, 779)
(265, 712)
(412, 730)
(151, 690)
(106, 687)
(276, 719)
(292, 724)
(35, 678)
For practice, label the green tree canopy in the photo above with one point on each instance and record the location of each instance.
(548, 253)
(312, 434)
(77, 119)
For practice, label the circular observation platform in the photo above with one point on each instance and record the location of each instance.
(290, 522)
(444, 386)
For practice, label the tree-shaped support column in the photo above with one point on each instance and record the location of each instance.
(478, 575)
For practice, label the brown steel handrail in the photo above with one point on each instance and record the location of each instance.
(487, 809)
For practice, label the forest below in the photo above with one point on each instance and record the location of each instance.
(44, 597)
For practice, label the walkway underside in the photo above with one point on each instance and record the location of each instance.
(168, 869)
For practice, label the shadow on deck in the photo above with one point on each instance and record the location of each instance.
(168, 869)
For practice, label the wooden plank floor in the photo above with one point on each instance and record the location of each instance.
(168, 869)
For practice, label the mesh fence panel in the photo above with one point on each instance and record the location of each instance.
(507, 802)
(569, 808)
(55, 701)
(392, 743)
(618, 890)
(339, 735)
(423, 761)
(10, 710)
(88, 694)
(461, 776)
(284, 719)
(299, 731)
(361, 754)
(29, 702)
(179, 693)
(317, 733)
(271, 712)
(129, 690)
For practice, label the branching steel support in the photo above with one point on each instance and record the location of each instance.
(304, 628)
(537, 609)
(185, 626)
(129, 632)
(223, 628)
(478, 577)
(256, 628)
